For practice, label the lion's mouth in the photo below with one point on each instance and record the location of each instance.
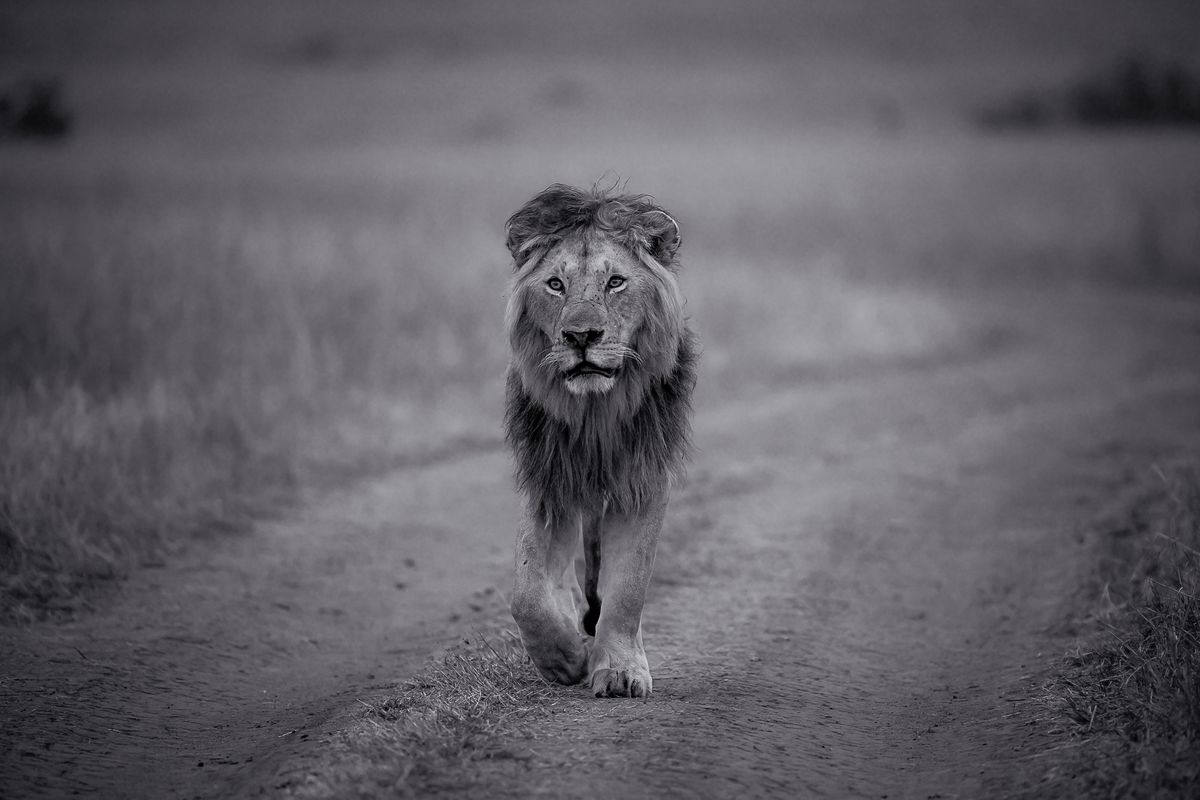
(588, 368)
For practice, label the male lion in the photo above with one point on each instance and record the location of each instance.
(598, 399)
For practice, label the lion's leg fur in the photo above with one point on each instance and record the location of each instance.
(617, 665)
(545, 601)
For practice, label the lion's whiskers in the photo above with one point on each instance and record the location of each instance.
(628, 353)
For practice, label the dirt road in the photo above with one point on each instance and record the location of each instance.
(860, 589)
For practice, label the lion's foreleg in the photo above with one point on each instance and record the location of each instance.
(618, 665)
(545, 598)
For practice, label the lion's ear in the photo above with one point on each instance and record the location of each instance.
(663, 233)
(520, 228)
(538, 219)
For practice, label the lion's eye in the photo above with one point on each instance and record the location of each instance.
(616, 282)
(555, 284)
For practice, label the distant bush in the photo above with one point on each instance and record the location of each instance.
(34, 110)
(1132, 91)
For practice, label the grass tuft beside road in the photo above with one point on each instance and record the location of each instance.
(1133, 699)
(428, 733)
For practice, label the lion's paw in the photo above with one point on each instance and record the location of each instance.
(621, 682)
(619, 672)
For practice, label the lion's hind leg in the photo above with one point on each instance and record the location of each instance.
(545, 601)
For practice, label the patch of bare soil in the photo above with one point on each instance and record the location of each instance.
(858, 594)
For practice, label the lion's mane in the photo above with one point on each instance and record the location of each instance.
(612, 451)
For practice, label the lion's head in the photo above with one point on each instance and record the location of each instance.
(595, 308)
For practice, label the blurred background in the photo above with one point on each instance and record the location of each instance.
(253, 247)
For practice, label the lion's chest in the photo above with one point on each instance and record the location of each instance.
(591, 465)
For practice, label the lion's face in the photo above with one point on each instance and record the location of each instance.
(589, 298)
(595, 311)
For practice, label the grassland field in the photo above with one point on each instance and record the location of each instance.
(271, 250)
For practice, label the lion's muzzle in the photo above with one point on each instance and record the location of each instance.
(582, 340)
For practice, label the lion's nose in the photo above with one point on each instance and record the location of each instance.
(582, 339)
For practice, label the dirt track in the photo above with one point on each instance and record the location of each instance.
(868, 574)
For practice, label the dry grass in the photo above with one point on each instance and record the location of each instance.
(1133, 699)
(427, 736)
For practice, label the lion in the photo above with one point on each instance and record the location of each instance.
(597, 414)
